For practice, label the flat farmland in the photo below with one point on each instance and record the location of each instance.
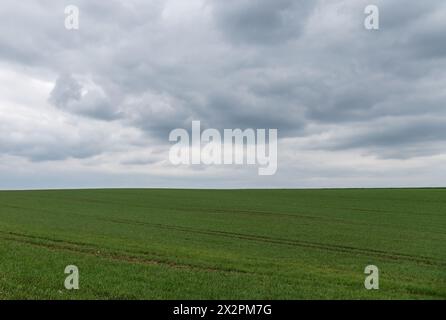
(223, 244)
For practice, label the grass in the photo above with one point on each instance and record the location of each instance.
(223, 244)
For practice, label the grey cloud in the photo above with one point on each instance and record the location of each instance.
(67, 95)
(66, 89)
(284, 85)
(261, 21)
(400, 14)
(397, 138)
(428, 44)
(302, 67)
(50, 146)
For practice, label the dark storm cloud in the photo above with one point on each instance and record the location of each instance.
(282, 64)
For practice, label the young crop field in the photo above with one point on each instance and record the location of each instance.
(223, 244)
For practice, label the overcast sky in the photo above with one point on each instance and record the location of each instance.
(94, 107)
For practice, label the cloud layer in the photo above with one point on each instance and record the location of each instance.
(353, 107)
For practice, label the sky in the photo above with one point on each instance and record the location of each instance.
(93, 107)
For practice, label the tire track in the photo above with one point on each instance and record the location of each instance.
(289, 242)
(265, 239)
(91, 250)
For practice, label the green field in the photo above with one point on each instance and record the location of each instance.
(223, 244)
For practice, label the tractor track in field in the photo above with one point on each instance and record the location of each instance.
(260, 238)
(92, 250)
(290, 242)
